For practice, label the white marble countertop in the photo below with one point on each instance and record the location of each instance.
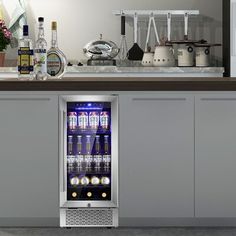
(113, 71)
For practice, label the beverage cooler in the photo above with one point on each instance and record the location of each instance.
(88, 161)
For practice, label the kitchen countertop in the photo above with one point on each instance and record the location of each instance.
(148, 79)
(128, 71)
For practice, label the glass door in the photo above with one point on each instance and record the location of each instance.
(91, 150)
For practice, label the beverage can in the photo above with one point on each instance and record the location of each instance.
(94, 120)
(83, 120)
(104, 119)
(72, 120)
(105, 181)
(74, 181)
(95, 180)
(84, 180)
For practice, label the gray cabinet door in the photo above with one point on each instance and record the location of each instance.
(215, 166)
(28, 156)
(157, 156)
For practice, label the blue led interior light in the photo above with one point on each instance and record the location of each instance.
(88, 108)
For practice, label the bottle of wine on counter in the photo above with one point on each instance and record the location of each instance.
(25, 56)
(41, 53)
(56, 60)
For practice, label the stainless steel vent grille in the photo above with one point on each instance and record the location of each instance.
(84, 217)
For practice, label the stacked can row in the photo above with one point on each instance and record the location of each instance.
(84, 181)
(84, 120)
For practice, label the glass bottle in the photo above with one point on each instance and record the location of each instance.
(79, 157)
(70, 145)
(79, 144)
(97, 156)
(106, 156)
(70, 157)
(56, 60)
(25, 56)
(41, 53)
(88, 156)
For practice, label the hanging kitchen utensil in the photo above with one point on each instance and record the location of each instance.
(151, 21)
(186, 39)
(148, 55)
(123, 42)
(186, 49)
(135, 53)
(169, 26)
(186, 26)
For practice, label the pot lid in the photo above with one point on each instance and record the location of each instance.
(189, 41)
(207, 44)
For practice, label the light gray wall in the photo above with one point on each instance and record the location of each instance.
(83, 20)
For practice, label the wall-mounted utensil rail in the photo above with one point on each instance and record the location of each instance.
(168, 13)
(155, 12)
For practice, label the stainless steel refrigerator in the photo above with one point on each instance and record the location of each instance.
(88, 161)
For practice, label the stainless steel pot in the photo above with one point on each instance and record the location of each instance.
(101, 49)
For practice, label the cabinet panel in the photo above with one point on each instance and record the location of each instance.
(215, 179)
(156, 156)
(29, 156)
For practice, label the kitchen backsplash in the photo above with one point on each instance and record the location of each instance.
(80, 21)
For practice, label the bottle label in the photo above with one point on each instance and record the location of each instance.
(54, 64)
(25, 60)
(41, 61)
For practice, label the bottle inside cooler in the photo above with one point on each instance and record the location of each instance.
(89, 151)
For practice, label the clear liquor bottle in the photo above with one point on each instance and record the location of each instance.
(25, 56)
(56, 60)
(41, 53)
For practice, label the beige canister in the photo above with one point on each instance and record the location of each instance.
(203, 56)
(185, 55)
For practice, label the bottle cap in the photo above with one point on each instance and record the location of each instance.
(25, 30)
(54, 25)
(40, 19)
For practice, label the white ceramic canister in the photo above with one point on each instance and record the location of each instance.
(185, 55)
(164, 56)
(148, 59)
(203, 56)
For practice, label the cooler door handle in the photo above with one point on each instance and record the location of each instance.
(25, 99)
(63, 151)
(159, 99)
(218, 99)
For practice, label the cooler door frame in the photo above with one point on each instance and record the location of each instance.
(64, 203)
